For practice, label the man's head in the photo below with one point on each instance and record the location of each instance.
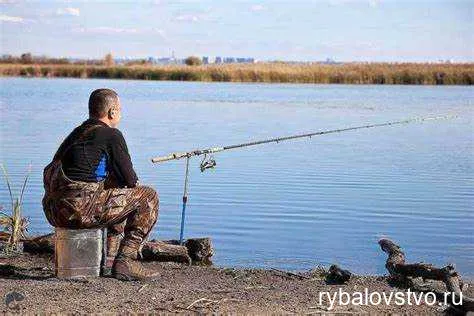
(104, 104)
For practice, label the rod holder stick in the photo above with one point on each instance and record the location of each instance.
(185, 200)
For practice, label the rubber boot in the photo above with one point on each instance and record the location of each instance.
(127, 266)
(113, 244)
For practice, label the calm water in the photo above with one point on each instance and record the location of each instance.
(291, 205)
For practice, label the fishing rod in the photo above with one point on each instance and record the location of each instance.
(208, 163)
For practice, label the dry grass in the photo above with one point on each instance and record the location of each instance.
(15, 224)
(349, 73)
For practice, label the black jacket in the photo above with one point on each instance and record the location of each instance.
(93, 156)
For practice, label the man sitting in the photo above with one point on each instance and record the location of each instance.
(91, 183)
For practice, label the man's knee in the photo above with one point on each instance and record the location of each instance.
(151, 196)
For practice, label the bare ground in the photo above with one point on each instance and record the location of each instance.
(189, 289)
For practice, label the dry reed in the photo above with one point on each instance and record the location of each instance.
(347, 73)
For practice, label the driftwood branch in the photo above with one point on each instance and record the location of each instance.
(401, 271)
(200, 250)
(291, 274)
(194, 250)
(156, 250)
(39, 244)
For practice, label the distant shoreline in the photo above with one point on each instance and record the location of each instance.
(349, 73)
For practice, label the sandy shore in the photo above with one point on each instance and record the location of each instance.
(190, 289)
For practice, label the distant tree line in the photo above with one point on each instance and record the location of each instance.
(108, 60)
(30, 59)
(193, 61)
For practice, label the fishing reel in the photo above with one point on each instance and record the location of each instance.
(207, 163)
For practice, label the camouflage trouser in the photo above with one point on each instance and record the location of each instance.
(76, 204)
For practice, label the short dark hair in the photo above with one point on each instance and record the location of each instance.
(100, 102)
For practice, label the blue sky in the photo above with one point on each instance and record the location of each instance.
(346, 30)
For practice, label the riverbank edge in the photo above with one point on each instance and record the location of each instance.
(194, 289)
